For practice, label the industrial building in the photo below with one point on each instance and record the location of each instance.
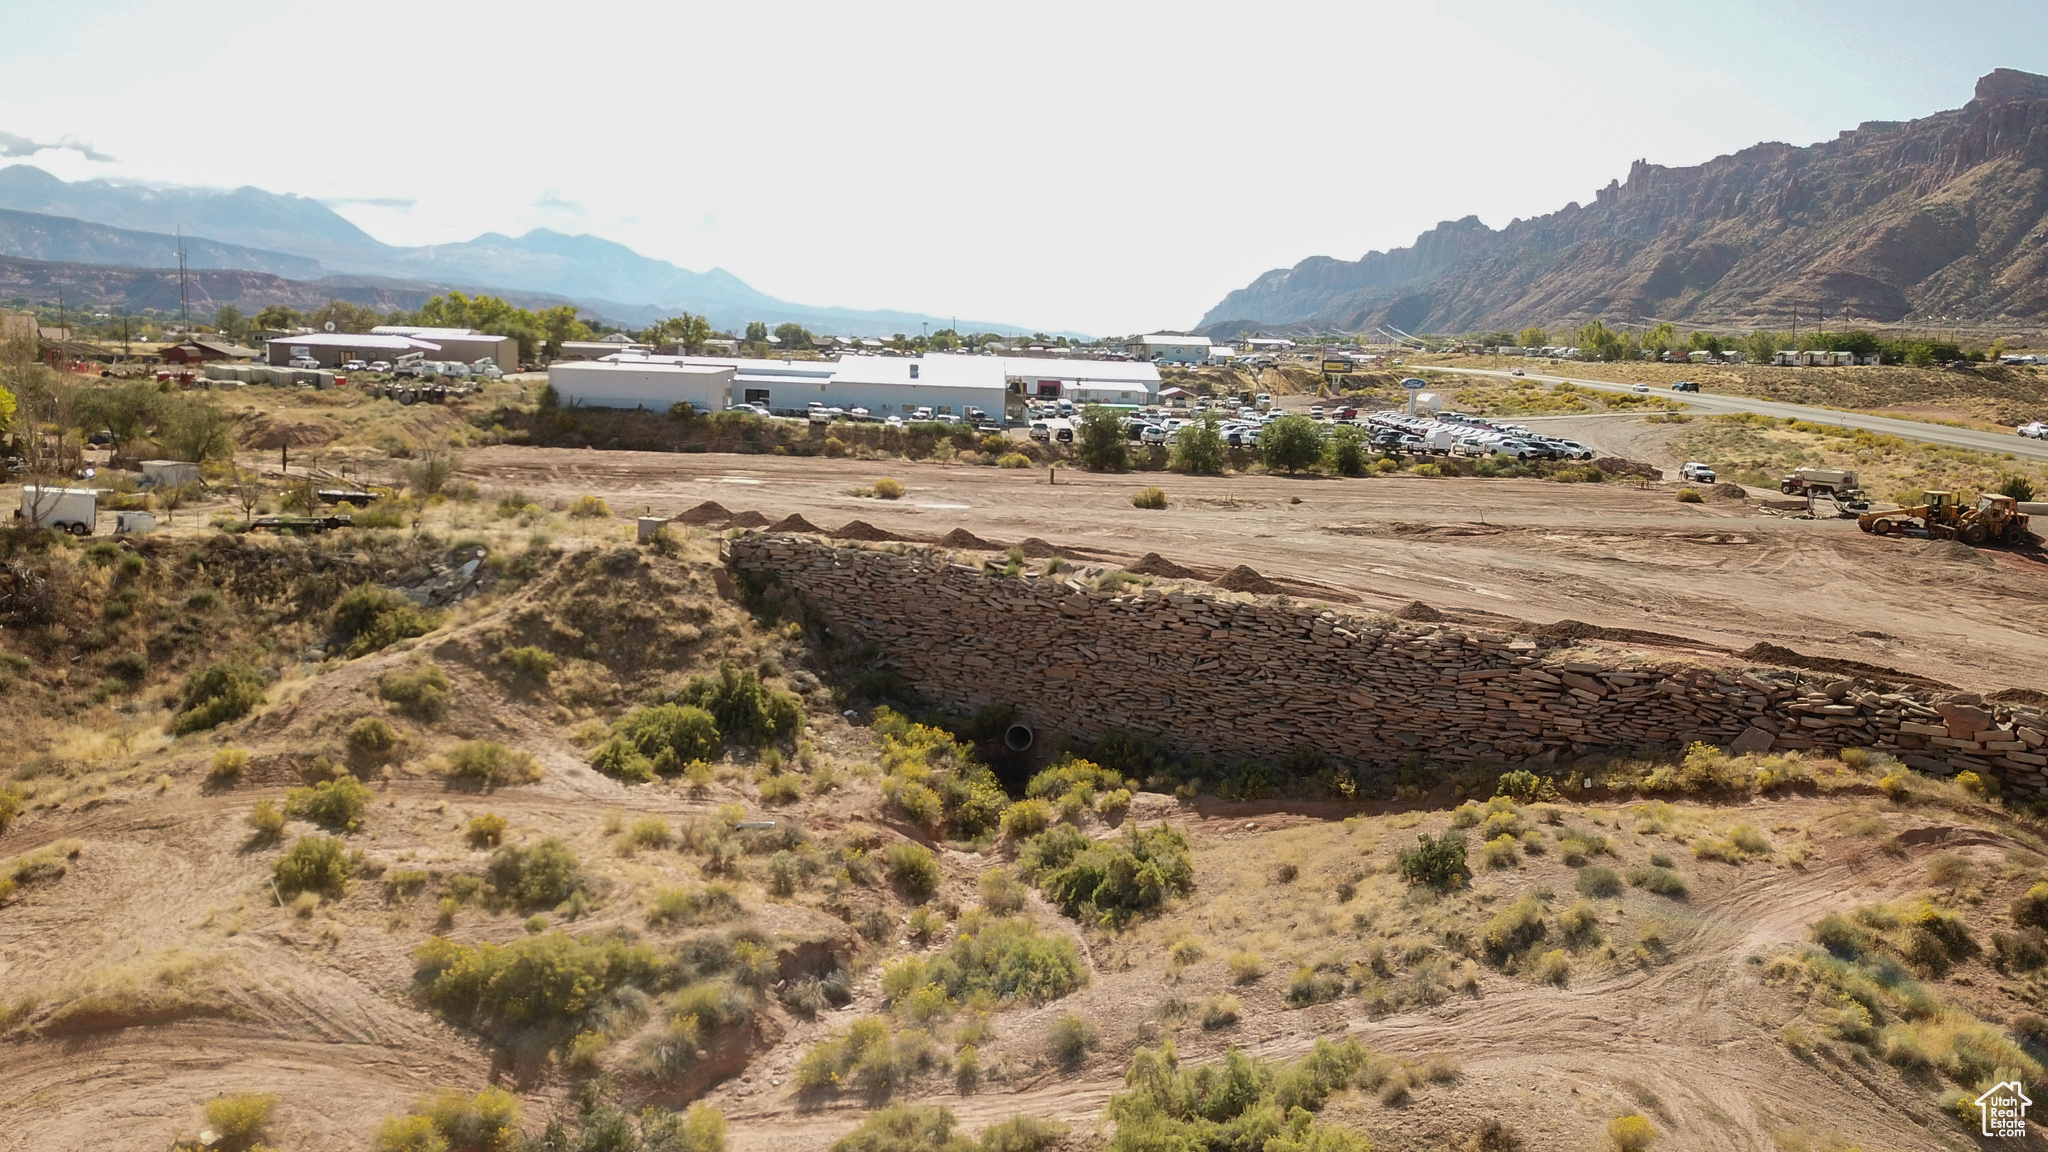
(884, 385)
(464, 344)
(1082, 381)
(650, 383)
(333, 349)
(1168, 348)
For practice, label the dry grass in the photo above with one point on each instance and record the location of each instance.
(176, 984)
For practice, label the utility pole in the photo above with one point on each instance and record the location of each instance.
(184, 299)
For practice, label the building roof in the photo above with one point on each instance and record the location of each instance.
(1170, 338)
(226, 348)
(411, 330)
(1085, 371)
(933, 371)
(356, 340)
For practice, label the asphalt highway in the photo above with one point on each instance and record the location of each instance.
(1719, 403)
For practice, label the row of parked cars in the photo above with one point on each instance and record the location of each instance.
(1456, 434)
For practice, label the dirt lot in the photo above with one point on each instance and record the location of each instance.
(1615, 554)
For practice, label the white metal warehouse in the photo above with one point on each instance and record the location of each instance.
(465, 344)
(333, 349)
(1082, 381)
(655, 384)
(884, 385)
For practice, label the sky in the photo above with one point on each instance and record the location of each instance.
(1082, 165)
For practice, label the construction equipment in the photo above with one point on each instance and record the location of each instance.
(1993, 519)
(1837, 483)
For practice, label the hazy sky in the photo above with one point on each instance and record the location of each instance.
(1102, 167)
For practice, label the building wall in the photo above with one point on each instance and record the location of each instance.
(1237, 677)
(500, 350)
(330, 356)
(1172, 353)
(654, 387)
(880, 399)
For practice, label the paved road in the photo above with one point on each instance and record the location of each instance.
(1720, 402)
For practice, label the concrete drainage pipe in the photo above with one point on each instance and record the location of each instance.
(1018, 738)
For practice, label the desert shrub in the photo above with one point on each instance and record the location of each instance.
(217, 694)
(228, 766)
(648, 832)
(10, 807)
(1553, 968)
(589, 508)
(1220, 1011)
(1109, 881)
(659, 739)
(420, 692)
(1151, 498)
(529, 661)
(786, 788)
(1524, 786)
(538, 877)
(887, 489)
(1026, 818)
(912, 866)
(1661, 880)
(405, 883)
(1630, 1133)
(239, 1120)
(552, 982)
(1575, 845)
(1240, 1102)
(1597, 881)
(683, 907)
(1515, 928)
(336, 804)
(1309, 986)
(907, 1128)
(744, 708)
(1000, 893)
(1438, 863)
(1185, 951)
(2031, 909)
(1743, 843)
(1245, 967)
(1690, 496)
(315, 864)
(1503, 851)
(372, 736)
(486, 831)
(490, 764)
(1070, 1038)
(368, 618)
(936, 780)
(1013, 460)
(1072, 775)
(265, 820)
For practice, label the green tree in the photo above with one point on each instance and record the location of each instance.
(229, 320)
(1102, 445)
(1704, 342)
(793, 336)
(757, 332)
(1663, 338)
(1533, 338)
(688, 330)
(7, 407)
(346, 317)
(1198, 447)
(1291, 443)
(278, 318)
(559, 325)
(193, 427)
(1759, 346)
(1347, 453)
(1596, 341)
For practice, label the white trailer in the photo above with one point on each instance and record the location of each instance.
(72, 510)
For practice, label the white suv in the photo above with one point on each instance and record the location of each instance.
(1696, 471)
(2038, 430)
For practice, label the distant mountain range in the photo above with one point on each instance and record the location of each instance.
(101, 222)
(1943, 215)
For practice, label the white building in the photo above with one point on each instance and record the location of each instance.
(333, 349)
(884, 385)
(1082, 381)
(1168, 348)
(654, 384)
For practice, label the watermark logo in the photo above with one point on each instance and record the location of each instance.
(2004, 1109)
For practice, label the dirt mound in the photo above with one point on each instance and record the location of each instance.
(1580, 630)
(1037, 549)
(2018, 696)
(1417, 610)
(709, 512)
(794, 522)
(1955, 552)
(1727, 491)
(1764, 653)
(1153, 564)
(268, 433)
(749, 519)
(1244, 579)
(862, 530)
(1628, 469)
(962, 538)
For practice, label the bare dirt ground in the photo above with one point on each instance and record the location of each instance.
(1614, 555)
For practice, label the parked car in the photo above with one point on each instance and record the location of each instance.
(379, 366)
(2037, 430)
(355, 366)
(306, 362)
(1519, 449)
(1686, 386)
(1152, 434)
(1064, 434)
(1470, 447)
(894, 422)
(1316, 411)
(1697, 472)
(1040, 430)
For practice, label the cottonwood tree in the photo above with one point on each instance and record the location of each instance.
(1102, 446)
(1198, 447)
(1291, 443)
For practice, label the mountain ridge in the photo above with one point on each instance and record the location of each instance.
(1946, 213)
(295, 237)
